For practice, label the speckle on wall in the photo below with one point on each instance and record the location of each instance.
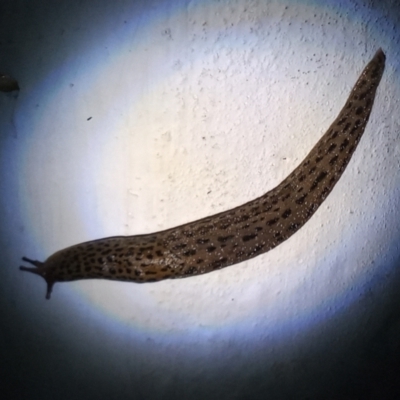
(137, 116)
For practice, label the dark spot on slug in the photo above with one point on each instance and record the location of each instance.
(318, 179)
(286, 213)
(205, 229)
(173, 238)
(332, 147)
(179, 246)
(333, 160)
(359, 110)
(311, 210)
(301, 199)
(324, 192)
(344, 144)
(258, 248)
(246, 238)
(293, 227)
(190, 252)
(363, 95)
(224, 226)
(353, 130)
(146, 248)
(240, 254)
(210, 249)
(255, 210)
(218, 263)
(272, 221)
(278, 237)
(224, 239)
(190, 271)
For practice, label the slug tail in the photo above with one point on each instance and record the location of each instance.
(38, 270)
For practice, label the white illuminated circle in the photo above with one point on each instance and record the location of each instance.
(194, 112)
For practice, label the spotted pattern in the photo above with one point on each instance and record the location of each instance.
(235, 235)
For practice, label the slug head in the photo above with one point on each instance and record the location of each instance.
(42, 270)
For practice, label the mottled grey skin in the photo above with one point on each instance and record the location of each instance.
(232, 236)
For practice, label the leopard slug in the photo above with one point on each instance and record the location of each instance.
(232, 236)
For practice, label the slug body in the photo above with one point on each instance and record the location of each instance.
(232, 236)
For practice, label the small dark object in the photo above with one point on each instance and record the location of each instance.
(7, 83)
(89, 119)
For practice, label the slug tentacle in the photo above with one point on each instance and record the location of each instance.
(41, 271)
(235, 235)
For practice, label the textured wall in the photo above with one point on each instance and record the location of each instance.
(138, 116)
